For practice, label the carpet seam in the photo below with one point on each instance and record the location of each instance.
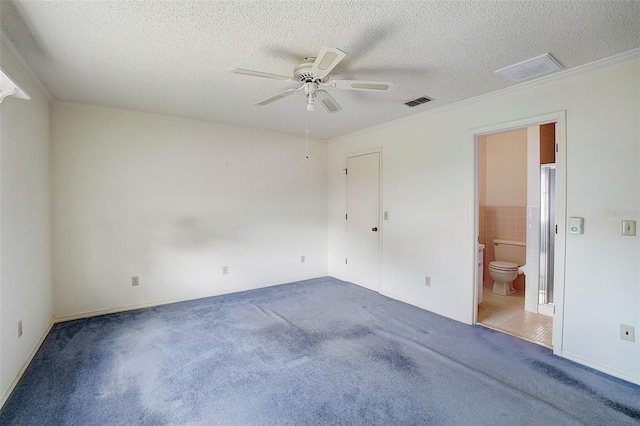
(481, 374)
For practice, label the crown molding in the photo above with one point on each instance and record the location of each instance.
(177, 119)
(13, 51)
(542, 81)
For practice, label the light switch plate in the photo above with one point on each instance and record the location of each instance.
(629, 228)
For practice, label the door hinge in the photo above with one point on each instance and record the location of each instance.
(345, 171)
(556, 229)
(556, 147)
(345, 216)
(345, 260)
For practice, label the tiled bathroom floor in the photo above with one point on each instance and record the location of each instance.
(507, 314)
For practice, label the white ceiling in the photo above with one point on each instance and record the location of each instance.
(171, 57)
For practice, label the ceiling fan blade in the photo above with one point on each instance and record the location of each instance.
(361, 85)
(276, 97)
(259, 74)
(327, 59)
(327, 101)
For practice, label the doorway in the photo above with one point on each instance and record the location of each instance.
(514, 213)
(363, 220)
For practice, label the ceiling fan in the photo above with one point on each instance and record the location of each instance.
(312, 74)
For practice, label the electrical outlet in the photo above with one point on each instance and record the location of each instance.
(225, 270)
(627, 332)
(302, 259)
(427, 281)
(386, 215)
(135, 280)
(19, 328)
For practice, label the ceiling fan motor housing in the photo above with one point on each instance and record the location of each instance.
(303, 74)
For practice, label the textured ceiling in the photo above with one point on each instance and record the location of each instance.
(171, 57)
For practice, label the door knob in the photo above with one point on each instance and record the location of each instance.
(374, 229)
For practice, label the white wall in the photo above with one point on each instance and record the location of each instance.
(428, 186)
(173, 202)
(25, 230)
(506, 168)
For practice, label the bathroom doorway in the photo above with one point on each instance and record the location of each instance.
(518, 199)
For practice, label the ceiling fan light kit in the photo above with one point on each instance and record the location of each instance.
(312, 74)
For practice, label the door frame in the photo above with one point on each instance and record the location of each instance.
(558, 117)
(380, 214)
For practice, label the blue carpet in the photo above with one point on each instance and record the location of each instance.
(317, 352)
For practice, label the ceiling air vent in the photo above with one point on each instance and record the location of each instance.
(534, 67)
(419, 101)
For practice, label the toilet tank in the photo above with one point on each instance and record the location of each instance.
(510, 251)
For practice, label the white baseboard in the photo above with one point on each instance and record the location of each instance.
(605, 368)
(98, 312)
(14, 383)
(425, 306)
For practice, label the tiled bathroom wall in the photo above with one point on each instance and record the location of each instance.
(503, 223)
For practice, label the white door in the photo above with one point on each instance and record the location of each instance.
(363, 220)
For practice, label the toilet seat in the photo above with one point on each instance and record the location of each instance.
(500, 265)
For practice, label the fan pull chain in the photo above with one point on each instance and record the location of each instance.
(307, 133)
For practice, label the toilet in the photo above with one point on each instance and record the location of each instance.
(510, 256)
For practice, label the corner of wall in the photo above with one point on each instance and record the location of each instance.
(25, 223)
